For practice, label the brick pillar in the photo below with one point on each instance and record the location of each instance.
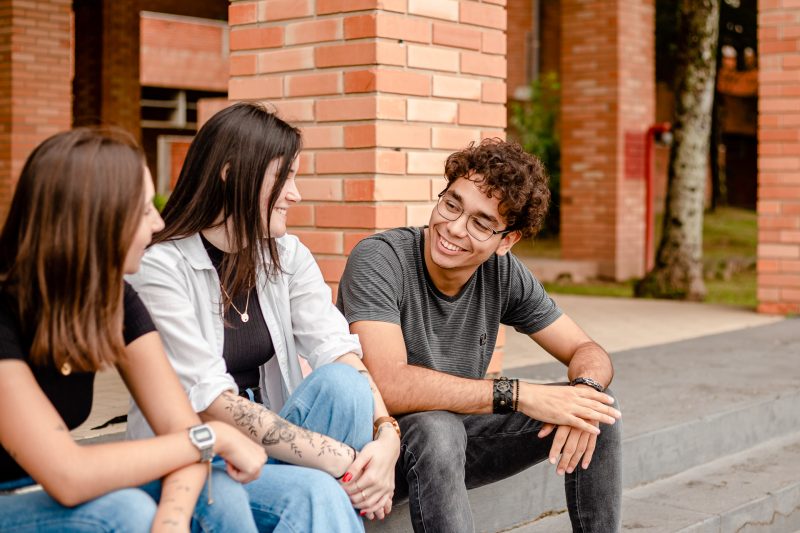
(34, 82)
(778, 158)
(383, 90)
(608, 102)
(106, 84)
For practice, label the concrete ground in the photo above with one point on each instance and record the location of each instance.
(620, 324)
(616, 323)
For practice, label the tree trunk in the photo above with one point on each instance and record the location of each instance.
(678, 272)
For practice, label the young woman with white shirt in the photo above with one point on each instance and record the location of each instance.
(80, 218)
(237, 300)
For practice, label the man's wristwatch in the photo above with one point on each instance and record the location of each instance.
(588, 381)
(385, 420)
(203, 438)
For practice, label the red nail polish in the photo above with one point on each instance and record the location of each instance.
(362, 513)
(347, 477)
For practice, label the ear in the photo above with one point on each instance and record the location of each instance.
(224, 172)
(507, 242)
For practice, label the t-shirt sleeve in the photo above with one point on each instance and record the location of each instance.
(372, 284)
(10, 335)
(137, 321)
(530, 308)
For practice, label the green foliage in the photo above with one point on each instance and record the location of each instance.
(535, 126)
(730, 236)
(160, 200)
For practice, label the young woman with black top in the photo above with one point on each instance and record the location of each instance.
(237, 300)
(80, 219)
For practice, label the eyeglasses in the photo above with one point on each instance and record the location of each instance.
(479, 229)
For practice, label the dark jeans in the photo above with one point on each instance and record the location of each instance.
(443, 454)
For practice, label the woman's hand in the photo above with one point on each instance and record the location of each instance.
(371, 485)
(244, 458)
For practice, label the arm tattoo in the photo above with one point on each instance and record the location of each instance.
(270, 429)
(281, 431)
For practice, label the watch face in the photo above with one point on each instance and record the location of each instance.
(202, 434)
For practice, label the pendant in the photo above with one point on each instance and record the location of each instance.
(245, 317)
(66, 369)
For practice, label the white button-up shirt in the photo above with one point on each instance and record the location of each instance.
(180, 288)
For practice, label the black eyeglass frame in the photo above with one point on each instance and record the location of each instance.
(502, 232)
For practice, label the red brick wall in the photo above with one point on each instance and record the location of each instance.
(184, 52)
(779, 157)
(383, 90)
(520, 47)
(608, 102)
(519, 28)
(106, 85)
(383, 96)
(34, 82)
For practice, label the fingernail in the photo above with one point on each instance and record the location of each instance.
(347, 477)
(560, 471)
(570, 470)
(362, 513)
(552, 460)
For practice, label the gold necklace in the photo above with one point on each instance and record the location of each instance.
(244, 316)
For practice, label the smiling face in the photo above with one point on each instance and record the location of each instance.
(288, 196)
(149, 223)
(451, 253)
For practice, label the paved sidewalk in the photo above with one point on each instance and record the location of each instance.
(616, 323)
(620, 324)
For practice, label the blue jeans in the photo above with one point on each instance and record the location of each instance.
(334, 400)
(443, 454)
(124, 510)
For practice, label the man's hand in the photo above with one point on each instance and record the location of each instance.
(571, 444)
(578, 407)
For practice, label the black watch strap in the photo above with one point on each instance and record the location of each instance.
(588, 381)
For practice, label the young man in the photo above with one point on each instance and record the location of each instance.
(427, 304)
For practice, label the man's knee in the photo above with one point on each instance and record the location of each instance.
(435, 437)
(609, 441)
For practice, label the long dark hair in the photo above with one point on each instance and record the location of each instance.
(63, 246)
(240, 141)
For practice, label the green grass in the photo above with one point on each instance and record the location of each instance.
(730, 236)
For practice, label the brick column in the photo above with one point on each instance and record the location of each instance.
(778, 158)
(34, 82)
(608, 102)
(106, 84)
(383, 90)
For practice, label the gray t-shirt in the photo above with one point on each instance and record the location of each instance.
(386, 280)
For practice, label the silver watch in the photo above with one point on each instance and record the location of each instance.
(203, 438)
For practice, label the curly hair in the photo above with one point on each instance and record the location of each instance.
(502, 169)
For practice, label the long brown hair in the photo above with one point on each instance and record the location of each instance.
(240, 141)
(63, 246)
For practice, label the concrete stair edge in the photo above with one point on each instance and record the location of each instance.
(660, 507)
(647, 458)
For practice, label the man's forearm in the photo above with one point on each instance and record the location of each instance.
(408, 388)
(591, 361)
(281, 439)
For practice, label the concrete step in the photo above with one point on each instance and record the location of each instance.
(684, 404)
(754, 490)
